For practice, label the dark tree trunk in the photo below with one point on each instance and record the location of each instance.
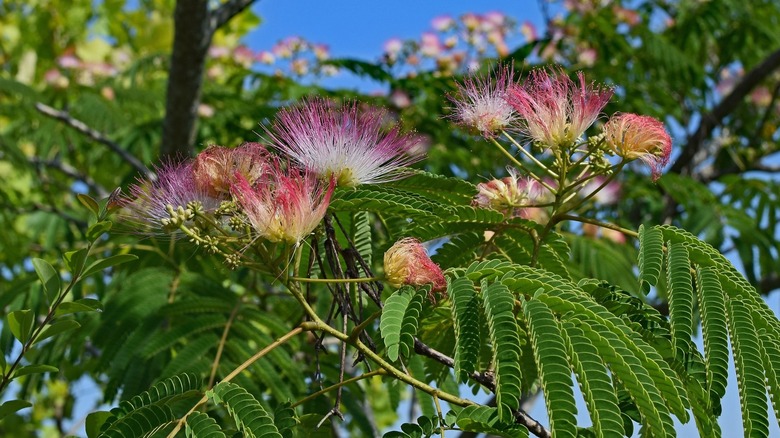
(194, 26)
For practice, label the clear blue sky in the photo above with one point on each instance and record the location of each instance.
(359, 28)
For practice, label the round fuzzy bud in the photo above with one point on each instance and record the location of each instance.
(407, 262)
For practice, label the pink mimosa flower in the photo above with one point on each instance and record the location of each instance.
(515, 196)
(344, 142)
(284, 206)
(163, 205)
(481, 103)
(556, 111)
(430, 44)
(407, 262)
(443, 23)
(632, 136)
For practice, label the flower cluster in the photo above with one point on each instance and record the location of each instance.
(281, 197)
(553, 112)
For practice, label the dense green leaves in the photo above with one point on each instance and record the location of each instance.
(246, 411)
(499, 306)
(400, 318)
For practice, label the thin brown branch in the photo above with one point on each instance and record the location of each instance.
(94, 135)
(72, 172)
(486, 379)
(713, 119)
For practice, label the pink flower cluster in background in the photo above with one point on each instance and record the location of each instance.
(452, 45)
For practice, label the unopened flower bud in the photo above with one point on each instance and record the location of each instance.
(407, 262)
(215, 168)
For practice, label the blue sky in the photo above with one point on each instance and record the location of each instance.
(359, 28)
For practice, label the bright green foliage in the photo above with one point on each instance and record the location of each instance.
(200, 425)
(527, 306)
(712, 309)
(650, 257)
(465, 313)
(487, 419)
(680, 295)
(499, 306)
(400, 318)
(597, 387)
(246, 411)
(553, 364)
(748, 362)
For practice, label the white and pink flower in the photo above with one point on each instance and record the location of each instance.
(286, 205)
(555, 110)
(481, 103)
(344, 142)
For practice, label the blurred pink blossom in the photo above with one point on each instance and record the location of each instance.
(443, 23)
(529, 31)
(430, 44)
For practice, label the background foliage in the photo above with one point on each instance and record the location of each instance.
(148, 314)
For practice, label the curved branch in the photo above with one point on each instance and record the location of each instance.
(95, 135)
(227, 11)
(488, 380)
(714, 118)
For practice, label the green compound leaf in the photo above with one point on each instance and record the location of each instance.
(680, 296)
(770, 348)
(553, 365)
(284, 419)
(748, 362)
(465, 314)
(651, 254)
(712, 309)
(200, 425)
(486, 419)
(499, 303)
(595, 383)
(141, 422)
(250, 416)
(400, 317)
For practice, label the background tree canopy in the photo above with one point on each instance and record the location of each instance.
(94, 96)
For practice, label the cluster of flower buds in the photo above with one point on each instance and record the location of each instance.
(453, 45)
(552, 112)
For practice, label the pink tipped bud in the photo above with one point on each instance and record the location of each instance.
(632, 136)
(215, 168)
(407, 262)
